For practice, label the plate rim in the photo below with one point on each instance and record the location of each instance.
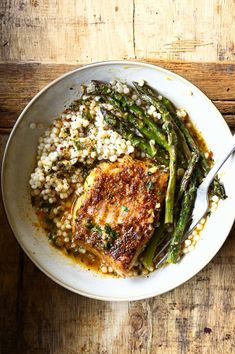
(31, 257)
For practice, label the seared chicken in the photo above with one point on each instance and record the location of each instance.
(116, 215)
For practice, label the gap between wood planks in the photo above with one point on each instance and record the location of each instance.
(21, 81)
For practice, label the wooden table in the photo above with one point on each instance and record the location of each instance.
(38, 316)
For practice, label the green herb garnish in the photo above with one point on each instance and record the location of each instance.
(45, 205)
(85, 171)
(48, 220)
(51, 237)
(58, 242)
(124, 208)
(77, 144)
(76, 251)
(149, 185)
(109, 231)
(97, 229)
(89, 224)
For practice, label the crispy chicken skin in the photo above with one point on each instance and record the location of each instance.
(116, 215)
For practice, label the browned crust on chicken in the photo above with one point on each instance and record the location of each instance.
(116, 216)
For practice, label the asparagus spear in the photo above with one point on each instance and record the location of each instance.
(170, 193)
(150, 250)
(183, 143)
(136, 122)
(149, 95)
(158, 136)
(187, 175)
(108, 96)
(169, 106)
(135, 113)
(187, 203)
(138, 125)
(163, 106)
(217, 187)
(121, 128)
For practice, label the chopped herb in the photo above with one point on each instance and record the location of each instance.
(109, 231)
(87, 115)
(209, 213)
(77, 144)
(149, 185)
(124, 208)
(159, 193)
(85, 171)
(51, 236)
(48, 220)
(107, 245)
(58, 242)
(89, 224)
(45, 205)
(97, 229)
(76, 251)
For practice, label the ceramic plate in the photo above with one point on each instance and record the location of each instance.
(19, 161)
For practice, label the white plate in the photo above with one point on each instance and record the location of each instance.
(19, 160)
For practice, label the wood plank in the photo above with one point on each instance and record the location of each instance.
(59, 321)
(90, 30)
(10, 279)
(230, 119)
(53, 31)
(185, 30)
(226, 107)
(20, 82)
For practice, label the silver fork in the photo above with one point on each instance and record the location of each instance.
(201, 201)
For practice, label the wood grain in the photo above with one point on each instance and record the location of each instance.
(184, 30)
(20, 82)
(10, 278)
(91, 30)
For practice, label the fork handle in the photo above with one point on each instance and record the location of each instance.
(210, 176)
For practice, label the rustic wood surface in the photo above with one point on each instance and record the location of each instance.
(42, 39)
(31, 78)
(81, 31)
